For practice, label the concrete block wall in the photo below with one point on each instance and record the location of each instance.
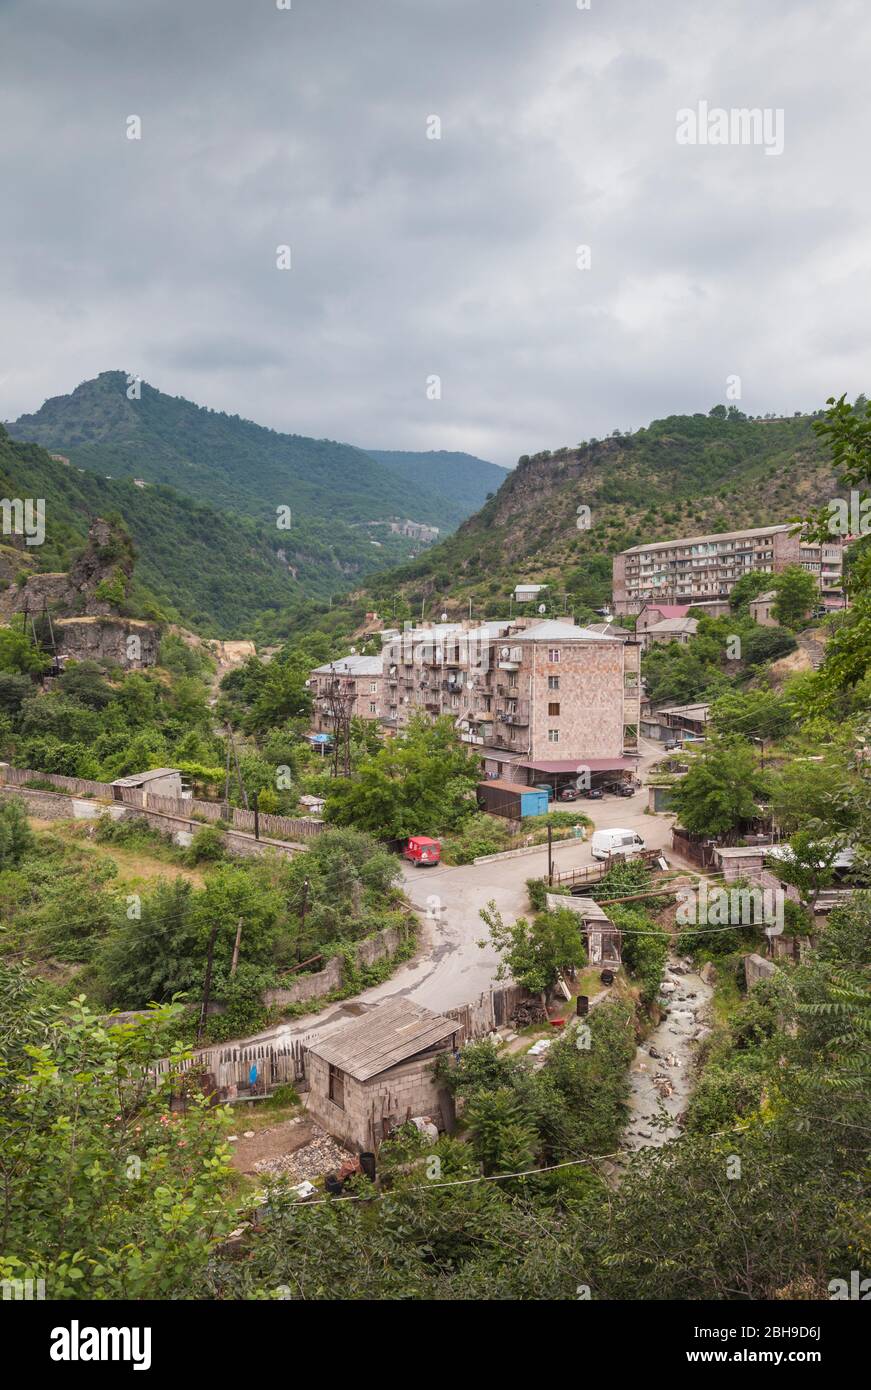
(406, 1090)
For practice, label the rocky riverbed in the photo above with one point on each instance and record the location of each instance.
(662, 1075)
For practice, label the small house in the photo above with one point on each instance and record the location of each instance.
(160, 781)
(378, 1072)
(761, 608)
(527, 593)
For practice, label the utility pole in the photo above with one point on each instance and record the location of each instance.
(227, 774)
(242, 791)
(550, 855)
(256, 815)
(207, 984)
(235, 961)
(302, 912)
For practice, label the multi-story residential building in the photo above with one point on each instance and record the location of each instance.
(540, 697)
(703, 569)
(359, 680)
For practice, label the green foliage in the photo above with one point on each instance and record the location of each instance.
(533, 953)
(107, 1195)
(644, 948)
(502, 1137)
(721, 790)
(207, 845)
(418, 783)
(18, 652)
(16, 839)
(757, 713)
(797, 592)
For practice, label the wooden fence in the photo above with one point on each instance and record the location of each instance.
(74, 786)
(186, 807)
(283, 1063)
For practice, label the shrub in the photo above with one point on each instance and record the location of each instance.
(207, 846)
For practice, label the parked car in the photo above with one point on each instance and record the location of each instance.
(593, 793)
(609, 842)
(545, 787)
(569, 794)
(620, 789)
(422, 850)
(672, 744)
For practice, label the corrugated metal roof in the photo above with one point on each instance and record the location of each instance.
(579, 764)
(352, 666)
(551, 630)
(139, 777)
(586, 908)
(391, 1033)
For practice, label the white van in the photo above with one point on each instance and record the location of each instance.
(607, 842)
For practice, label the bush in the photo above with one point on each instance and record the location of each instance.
(207, 846)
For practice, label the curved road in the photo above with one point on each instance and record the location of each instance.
(450, 968)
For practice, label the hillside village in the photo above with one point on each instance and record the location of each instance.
(551, 891)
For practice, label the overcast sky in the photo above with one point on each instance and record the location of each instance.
(414, 257)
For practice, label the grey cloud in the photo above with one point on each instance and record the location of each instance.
(411, 256)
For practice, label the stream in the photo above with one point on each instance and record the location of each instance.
(661, 1077)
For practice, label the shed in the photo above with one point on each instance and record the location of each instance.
(511, 799)
(160, 781)
(377, 1072)
(603, 938)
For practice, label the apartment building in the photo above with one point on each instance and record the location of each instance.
(534, 696)
(703, 569)
(358, 680)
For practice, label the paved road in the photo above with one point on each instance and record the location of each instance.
(450, 969)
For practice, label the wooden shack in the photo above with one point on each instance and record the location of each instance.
(603, 939)
(378, 1072)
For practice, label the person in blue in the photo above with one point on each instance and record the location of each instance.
(252, 1075)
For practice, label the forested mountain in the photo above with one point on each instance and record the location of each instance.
(210, 570)
(464, 480)
(222, 459)
(681, 476)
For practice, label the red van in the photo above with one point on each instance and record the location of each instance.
(422, 850)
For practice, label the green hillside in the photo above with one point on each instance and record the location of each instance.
(464, 480)
(680, 476)
(221, 459)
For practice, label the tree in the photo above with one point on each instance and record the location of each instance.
(16, 838)
(502, 1138)
(797, 591)
(748, 587)
(18, 653)
(106, 1194)
(534, 953)
(418, 783)
(765, 644)
(807, 863)
(719, 794)
(758, 713)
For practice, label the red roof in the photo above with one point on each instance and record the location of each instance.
(576, 764)
(670, 610)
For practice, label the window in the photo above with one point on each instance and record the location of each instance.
(553, 735)
(553, 682)
(553, 711)
(337, 1087)
(553, 654)
(373, 686)
(373, 708)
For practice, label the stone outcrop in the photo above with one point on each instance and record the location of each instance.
(107, 556)
(126, 642)
(85, 621)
